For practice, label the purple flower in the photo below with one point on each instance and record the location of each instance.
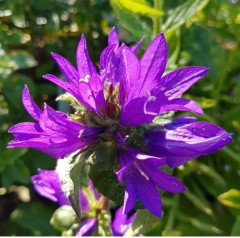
(119, 107)
(53, 133)
(47, 184)
(121, 222)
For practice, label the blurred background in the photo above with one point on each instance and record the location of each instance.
(199, 32)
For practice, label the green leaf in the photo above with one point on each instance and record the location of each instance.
(70, 171)
(212, 181)
(142, 223)
(104, 157)
(141, 7)
(230, 199)
(200, 225)
(22, 60)
(236, 227)
(201, 204)
(203, 101)
(33, 217)
(105, 181)
(173, 40)
(12, 89)
(14, 173)
(182, 13)
(9, 157)
(132, 23)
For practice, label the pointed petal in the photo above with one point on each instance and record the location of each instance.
(130, 195)
(31, 107)
(87, 227)
(137, 46)
(109, 65)
(174, 84)
(147, 193)
(130, 70)
(182, 104)
(161, 179)
(119, 221)
(84, 64)
(113, 37)
(153, 64)
(187, 142)
(69, 72)
(47, 184)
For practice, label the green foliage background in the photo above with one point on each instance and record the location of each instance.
(199, 32)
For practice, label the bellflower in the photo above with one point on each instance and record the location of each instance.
(123, 106)
(47, 184)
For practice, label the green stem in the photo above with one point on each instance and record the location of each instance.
(157, 21)
(172, 215)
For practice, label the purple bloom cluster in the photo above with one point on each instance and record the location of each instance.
(120, 105)
(47, 184)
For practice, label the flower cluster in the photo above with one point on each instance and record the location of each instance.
(48, 185)
(123, 106)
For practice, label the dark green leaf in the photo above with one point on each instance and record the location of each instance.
(142, 223)
(105, 181)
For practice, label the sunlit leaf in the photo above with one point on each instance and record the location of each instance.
(182, 13)
(141, 7)
(230, 199)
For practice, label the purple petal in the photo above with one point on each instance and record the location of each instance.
(130, 195)
(66, 68)
(33, 110)
(136, 47)
(133, 113)
(180, 121)
(182, 104)
(87, 227)
(47, 184)
(84, 64)
(113, 37)
(56, 121)
(174, 84)
(118, 225)
(153, 64)
(109, 64)
(162, 180)
(147, 193)
(130, 70)
(187, 142)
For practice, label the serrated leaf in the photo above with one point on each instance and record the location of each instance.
(105, 181)
(69, 172)
(230, 199)
(142, 223)
(141, 7)
(182, 13)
